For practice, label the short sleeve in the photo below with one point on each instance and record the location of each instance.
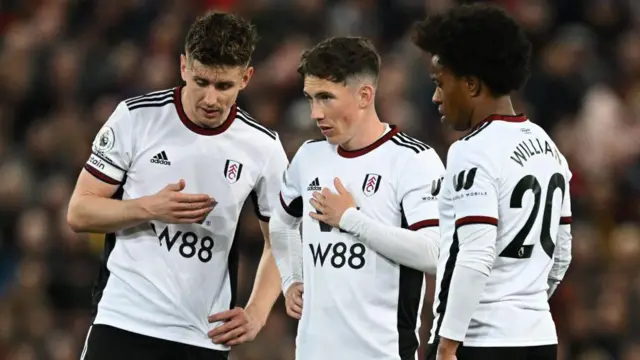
(290, 193)
(419, 191)
(111, 151)
(475, 191)
(265, 193)
(565, 213)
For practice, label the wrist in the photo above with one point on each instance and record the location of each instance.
(349, 220)
(138, 209)
(257, 314)
(448, 346)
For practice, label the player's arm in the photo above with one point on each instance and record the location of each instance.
(418, 246)
(284, 227)
(267, 283)
(476, 208)
(562, 252)
(92, 207)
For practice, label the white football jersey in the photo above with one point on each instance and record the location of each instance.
(163, 280)
(359, 305)
(508, 173)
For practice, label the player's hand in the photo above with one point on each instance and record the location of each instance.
(447, 349)
(170, 205)
(331, 206)
(293, 300)
(239, 327)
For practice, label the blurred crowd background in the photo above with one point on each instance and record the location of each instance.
(65, 64)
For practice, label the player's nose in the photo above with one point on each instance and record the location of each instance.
(437, 96)
(211, 97)
(316, 112)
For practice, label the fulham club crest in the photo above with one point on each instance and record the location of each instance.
(371, 184)
(232, 171)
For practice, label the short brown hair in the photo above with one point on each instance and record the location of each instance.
(221, 39)
(338, 58)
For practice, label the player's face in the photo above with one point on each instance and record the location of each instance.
(451, 96)
(333, 107)
(211, 91)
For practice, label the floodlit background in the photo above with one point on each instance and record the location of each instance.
(65, 64)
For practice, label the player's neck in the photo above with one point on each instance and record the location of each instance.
(497, 106)
(370, 131)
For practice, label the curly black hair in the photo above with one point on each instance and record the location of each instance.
(221, 39)
(478, 40)
(338, 58)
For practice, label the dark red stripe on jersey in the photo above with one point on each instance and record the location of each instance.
(355, 153)
(291, 210)
(100, 175)
(424, 224)
(508, 118)
(467, 220)
(566, 220)
(177, 98)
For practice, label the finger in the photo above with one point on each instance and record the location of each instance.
(297, 300)
(182, 206)
(318, 196)
(224, 315)
(316, 205)
(293, 314)
(225, 328)
(339, 187)
(229, 335)
(294, 310)
(179, 186)
(239, 340)
(192, 198)
(193, 214)
(317, 216)
(326, 192)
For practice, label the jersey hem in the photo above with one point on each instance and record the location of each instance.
(511, 343)
(161, 336)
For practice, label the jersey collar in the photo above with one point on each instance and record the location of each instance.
(497, 117)
(355, 153)
(177, 99)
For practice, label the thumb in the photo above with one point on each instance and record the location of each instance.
(339, 187)
(179, 186)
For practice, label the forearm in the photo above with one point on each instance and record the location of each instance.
(90, 213)
(473, 266)
(286, 244)
(561, 258)
(415, 249)
(266, 287)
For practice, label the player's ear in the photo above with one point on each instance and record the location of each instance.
(248, 73)
(473, 85)
(183, 67)
(366, 95)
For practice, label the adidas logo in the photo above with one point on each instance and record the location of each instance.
(315, 185)
(161, 158)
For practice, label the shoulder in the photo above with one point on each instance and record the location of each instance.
(254, 126)
(406, 143)
(312, 146)
(151, 101)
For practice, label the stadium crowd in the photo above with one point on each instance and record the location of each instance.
(65, 64)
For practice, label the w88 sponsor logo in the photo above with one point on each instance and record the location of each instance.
(188, 243)
(338, 255)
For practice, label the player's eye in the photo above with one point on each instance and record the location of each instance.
(324, 97)
(224, 86)
(201, 83)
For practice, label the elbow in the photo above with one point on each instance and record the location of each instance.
(75, 219)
